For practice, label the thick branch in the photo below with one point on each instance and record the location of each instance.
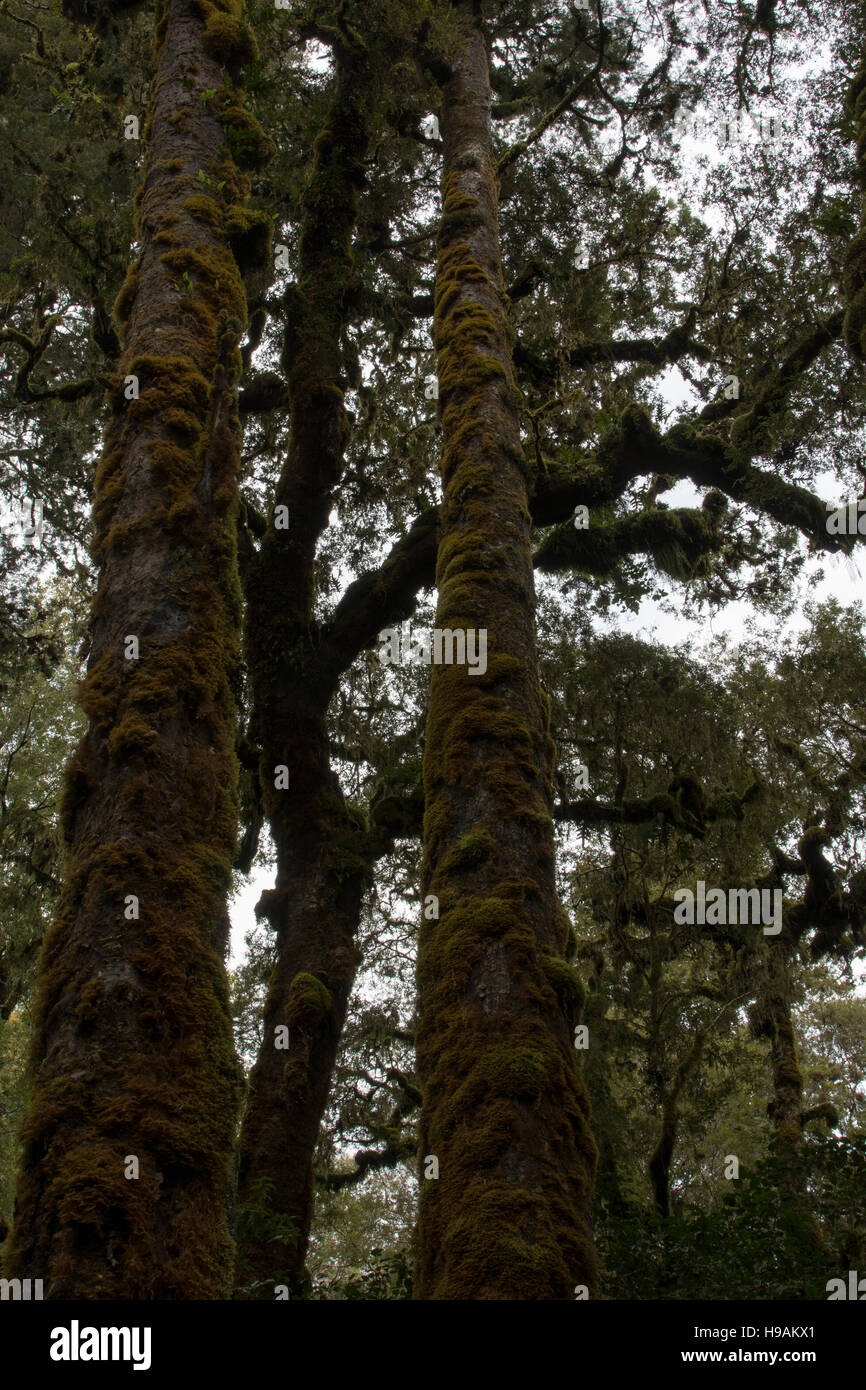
(384, 595)
(656, 351)
(678, 541)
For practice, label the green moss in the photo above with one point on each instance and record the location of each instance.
(471, 849)
(468, 551)
(474, 919)
(218, 283)
(566, 982)
(206, 209)
(537, 1268)
(308, 999)
(183, 423)
(485, 718)
(175, 381)
(500, 667)
(249, 234)
(126, 296)
(174, 466)
(505, 1071)
(249, 146)
(229, 40)
(463, 316)
(132, 735)
(463, 221)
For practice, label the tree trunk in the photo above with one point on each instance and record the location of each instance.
(773, 1009)
(854, 328)
(128, 1139)
(323, 857)
(662, 1158)
(787, 1106)
(504, 1107)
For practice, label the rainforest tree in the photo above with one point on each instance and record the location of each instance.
(128, 1136)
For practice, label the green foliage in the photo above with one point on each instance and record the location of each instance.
(744, 1248)
(387, 1275)
(256, 1220)
(14, 1032)
(38, 674)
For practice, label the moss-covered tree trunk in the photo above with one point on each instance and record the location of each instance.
(504, 1110)
(773, 1014)
(787, 1104)
(322, 858)
(128, 1138)
(855, 262)
(661, 1160)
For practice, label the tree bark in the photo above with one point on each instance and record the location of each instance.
(773, 1017)
(323, 850)
(123, 1193)
(854, 329)
(504, 1108)
(662, 1157)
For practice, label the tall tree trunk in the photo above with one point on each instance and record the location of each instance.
(323, 859)
(787, 1105)
(662, 1157)
(854, 328)
(772, 1015)
(128, 1139)
(504, 1108)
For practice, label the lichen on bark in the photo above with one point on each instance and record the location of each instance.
(133, 1053)
(323, 850)
(855, 260)
(504, 1108)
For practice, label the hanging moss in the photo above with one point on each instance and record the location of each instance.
(126, 295)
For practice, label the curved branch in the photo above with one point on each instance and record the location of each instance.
(678, 541)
